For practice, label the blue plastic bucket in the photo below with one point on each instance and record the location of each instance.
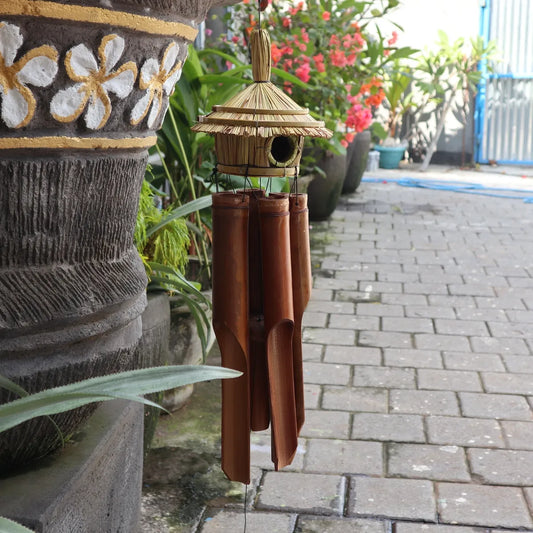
(390, 156)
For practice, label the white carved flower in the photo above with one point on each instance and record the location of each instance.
(37, 67)
(156, 80)
(95, 79)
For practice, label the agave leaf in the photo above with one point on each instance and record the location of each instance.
(130, 385)
(8, 526)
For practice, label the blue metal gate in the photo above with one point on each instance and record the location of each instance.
(504, 104)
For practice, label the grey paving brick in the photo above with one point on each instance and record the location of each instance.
(261, 455)
(312, 396)
(519, 435)
(224, 521)
(424, 402)
(379, 309)
(519, 363)
(325, 295)
(326, 373)
(330, 307)
(446, 300)
(385, 427)
(309, 524)
(404, 299)
(455, 343)
(353, 355)
(508, 383)
(356, 275)
(414, 527)
(484, 314)
(355, 399)
(499, 346)
(464, 431)
(408, 325)
(410, 499)
(454, 380)
(308, 493)
(510, 329)
(481, 505)
(334, 284)
(312, 352)
(471, 289)
(354, 322)
(401, 277)
(499, 406)
(520, 316)
(385, 339)
(412, 358)
(375, 376)
(528, 492)
(425, 288)
(502, 467)
(326, 424)
(329, 336)
(444, 326)
(509, 302)
(473, 361)
(315, 319)
(445, 463)
(344, 457)
(429, 311)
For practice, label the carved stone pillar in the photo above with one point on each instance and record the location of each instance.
(85, 85)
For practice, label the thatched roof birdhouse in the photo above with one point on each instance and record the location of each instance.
(260, 131)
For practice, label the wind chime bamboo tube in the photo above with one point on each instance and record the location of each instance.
(230, 322)
(302, 281)
(279, 326)
(260, 409)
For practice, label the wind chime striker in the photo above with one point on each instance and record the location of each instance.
(261, 265)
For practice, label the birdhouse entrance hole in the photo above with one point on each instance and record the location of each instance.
(282, 150)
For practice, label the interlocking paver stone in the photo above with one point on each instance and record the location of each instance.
(501, 406)
(329, 373)
(502, 467)
(354, 322)
(412, 358)
(453, 380)
(411, 499)
(353, 355)
(329, 336)
(519, 363)
(460, 327)
(326, 424)
(456, 343)
(408, 325)
(482, 505)
(309, 524)
(385, 339)
(424, 402)
(308, 493)
(445, 463)
(499, 345)
(430, 311)
(473, 361)
(519, 435)
(464, 431)
(413, 527)
(312, 352)
(508, 383)
(385, 427)
(261, 456)
(312, 395)
(225, 521)
(344, 457)
(379, 309)
(356, 399)
(374, 376)
(315, 319)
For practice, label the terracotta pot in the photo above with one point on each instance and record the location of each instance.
(84, 88)
(324, 192)
(356, 159)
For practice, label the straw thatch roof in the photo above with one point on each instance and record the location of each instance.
(261, 110)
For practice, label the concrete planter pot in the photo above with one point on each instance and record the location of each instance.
(84, 88)
(324, 192)
(356, 159)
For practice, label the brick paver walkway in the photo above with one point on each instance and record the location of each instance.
(419, 370)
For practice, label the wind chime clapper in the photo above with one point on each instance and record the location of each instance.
(261, 265)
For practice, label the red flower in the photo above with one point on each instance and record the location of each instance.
(393, 39)
(303, 72)
(286, 22)
(338, 58)
(294, 10)
(326, 15)
(319, 62)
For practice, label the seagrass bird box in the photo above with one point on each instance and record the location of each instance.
(261, 130)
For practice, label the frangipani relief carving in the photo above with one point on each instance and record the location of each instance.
(157, 80)
(38, 67)
(95, 79)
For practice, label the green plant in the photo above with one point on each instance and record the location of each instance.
(53, 401)
(335, 54)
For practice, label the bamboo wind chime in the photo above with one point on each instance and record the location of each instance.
(261, 266)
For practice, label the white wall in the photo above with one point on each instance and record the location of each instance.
(421, 20)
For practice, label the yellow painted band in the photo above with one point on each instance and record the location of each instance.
(97, 15)
(76, 143)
